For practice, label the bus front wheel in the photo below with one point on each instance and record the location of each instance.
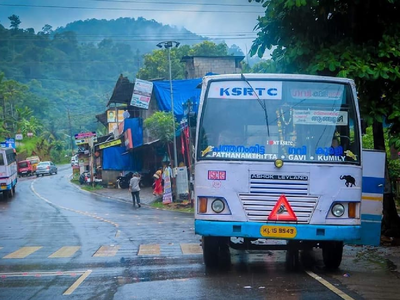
(10, 193)
(215, 251)
(332, 253)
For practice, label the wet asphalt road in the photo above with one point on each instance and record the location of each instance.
(59, 242)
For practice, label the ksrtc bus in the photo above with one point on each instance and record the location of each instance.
(279, 157)
(8, 172)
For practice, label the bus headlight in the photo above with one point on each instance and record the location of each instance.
(218, 205)
(211, 205)
(337, 210)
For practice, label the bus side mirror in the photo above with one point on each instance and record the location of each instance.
(363, 127)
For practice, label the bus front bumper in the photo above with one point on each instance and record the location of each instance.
(278, 231)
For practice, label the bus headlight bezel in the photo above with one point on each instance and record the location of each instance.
(218, 205)
(338, 210)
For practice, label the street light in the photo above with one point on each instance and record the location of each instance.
(168, 45)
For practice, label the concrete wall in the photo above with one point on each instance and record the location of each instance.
(197, 67)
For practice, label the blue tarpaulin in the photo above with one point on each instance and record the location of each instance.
(116, 158)
(136, 126)
(183, 90)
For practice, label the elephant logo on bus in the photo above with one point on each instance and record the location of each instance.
(350, 180)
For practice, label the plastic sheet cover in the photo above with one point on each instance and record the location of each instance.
(183, 90)
(116, 158)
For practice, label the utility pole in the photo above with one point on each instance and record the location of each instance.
(70, 132)
(168, 45)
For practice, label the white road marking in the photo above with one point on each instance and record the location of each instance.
(92, 215)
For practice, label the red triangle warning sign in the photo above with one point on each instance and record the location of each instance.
(282, 211)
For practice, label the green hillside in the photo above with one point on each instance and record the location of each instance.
(54, 82)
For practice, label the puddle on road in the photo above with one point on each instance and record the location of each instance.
(390, 265)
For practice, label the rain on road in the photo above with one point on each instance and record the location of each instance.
(59, 242)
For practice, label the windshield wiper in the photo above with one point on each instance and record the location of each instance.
(262, 103)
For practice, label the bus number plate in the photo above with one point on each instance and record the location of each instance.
(278, 231)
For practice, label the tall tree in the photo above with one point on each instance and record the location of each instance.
(15, 21)
(156, 63)
(346, 38)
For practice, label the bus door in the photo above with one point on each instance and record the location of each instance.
(373, 184)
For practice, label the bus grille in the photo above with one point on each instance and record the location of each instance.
(279, 187)
(259, 206)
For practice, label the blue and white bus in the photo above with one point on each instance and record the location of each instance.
(279, 157)
(8, 172)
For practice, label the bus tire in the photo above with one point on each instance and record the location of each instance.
(332, 253)
(292, 256)
(10, 193)
(210, 251)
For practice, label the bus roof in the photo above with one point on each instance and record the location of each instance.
(8, 149)
(265, 76)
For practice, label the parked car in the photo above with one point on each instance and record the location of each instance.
(46, 167)
(25, 168)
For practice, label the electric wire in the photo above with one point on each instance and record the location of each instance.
(133, 9)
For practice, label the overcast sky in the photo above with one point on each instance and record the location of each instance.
(232, 20)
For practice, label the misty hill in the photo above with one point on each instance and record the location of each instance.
(140, 34)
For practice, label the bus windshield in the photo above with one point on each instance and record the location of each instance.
(302, 121)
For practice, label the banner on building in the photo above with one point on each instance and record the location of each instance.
(128, 139)
(110, 144)
(114, 116)
(167, 196)
(142, 93)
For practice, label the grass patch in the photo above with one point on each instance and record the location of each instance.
(90, 188)
(183, 206)
(87, 187)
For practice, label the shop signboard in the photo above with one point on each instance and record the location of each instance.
(83, 137)
(141, 93)
(110, 144)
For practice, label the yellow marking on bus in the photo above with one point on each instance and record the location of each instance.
(372, 198)
(329, 286)
(207, 150)
(191, 249)
(105, 251)
(66, 251)
(23, 252)
(77, 283)
(149, 249)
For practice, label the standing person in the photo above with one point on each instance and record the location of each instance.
(158, 189)
(135, 189)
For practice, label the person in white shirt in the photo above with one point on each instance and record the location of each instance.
(134, 188)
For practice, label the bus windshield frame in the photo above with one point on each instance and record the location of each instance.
(293, 120)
